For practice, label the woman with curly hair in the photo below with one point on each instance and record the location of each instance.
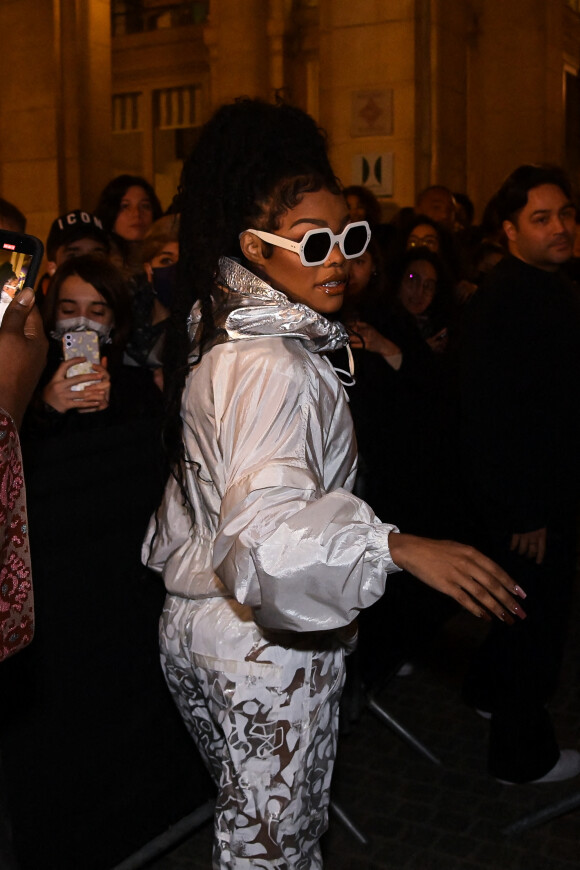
(266, 555)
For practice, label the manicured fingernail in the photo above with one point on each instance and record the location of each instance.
(503, 616)
(519, 592)
(25, 296)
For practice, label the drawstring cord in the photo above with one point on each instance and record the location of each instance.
(349, 378)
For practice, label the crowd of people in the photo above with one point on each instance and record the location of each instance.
(233, 334)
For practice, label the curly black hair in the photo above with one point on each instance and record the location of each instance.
(253, 161)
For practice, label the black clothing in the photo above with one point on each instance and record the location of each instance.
(520, 395)
(145, 342)
(108, 763)
(134, 396)
(406, 425)
(405, 422)
(520, 374)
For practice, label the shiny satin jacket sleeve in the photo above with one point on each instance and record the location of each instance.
(291, 540)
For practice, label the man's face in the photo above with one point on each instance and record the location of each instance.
(76, 248)
(438, 204)
(543, 232)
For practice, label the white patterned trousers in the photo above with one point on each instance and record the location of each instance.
(265, 720)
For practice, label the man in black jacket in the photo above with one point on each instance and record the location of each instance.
(520, 443)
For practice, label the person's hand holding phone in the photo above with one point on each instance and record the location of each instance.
(438, 342)
(23, 347)
(100, 391)
(61, 396)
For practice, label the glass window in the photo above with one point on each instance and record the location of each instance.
(128, 133)
(137, 16)
(176, 123)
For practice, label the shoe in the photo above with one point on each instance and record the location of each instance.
(567, 767)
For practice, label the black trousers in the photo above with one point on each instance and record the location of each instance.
(516, 670)
(7, 859)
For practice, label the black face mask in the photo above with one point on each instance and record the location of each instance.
(164, 279)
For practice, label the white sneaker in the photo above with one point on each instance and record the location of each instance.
(567, 767)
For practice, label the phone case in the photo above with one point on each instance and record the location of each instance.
(20, 258)
(85, 344)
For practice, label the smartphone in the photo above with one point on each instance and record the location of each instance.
(85, 343)
(20, 258)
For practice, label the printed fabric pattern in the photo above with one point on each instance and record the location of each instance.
(266, 726)
(16, 600)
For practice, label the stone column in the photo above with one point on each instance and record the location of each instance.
(237, 40)
(367, 56)
(515, 93)
(93, 51)
(276, 30)
(55, 122)
(29, 111)
(449, 28)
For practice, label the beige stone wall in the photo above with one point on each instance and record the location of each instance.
(369, 46)
(237, 40)
(55, 106)
(28, 110)
(146, 62)
(477, 85)
(93, 53)
(450, 21)
(515, 106)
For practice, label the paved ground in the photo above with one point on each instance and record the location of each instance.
(423, 817)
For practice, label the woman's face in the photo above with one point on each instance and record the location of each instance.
(76, 298)
(10, 287)
(320, 287)
(356, 209)
(167, 256)
(424, 236)
(361, 270)
(135, 214)
(418, 287)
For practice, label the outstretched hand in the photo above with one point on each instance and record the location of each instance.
(461, 572)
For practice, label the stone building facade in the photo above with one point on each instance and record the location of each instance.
(411, 92)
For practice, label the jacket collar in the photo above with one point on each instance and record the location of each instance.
(247, 307)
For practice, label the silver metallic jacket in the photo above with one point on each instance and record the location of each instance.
(271, 462)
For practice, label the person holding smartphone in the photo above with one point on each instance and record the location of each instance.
(87, 297)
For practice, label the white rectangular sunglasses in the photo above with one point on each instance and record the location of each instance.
(316, 245)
